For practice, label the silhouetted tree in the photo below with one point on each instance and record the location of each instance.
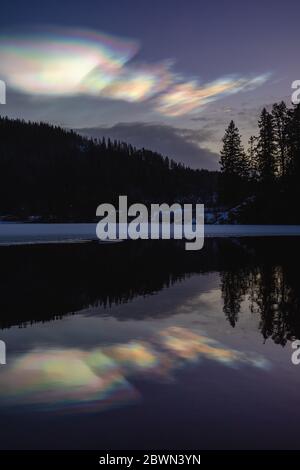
(294, 147)
(266, 148)
(234, 169)
(281, 121)
(251, 158)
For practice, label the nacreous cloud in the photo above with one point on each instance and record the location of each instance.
(72, 61)
(140, 83)
(61, 62)
(188, 97)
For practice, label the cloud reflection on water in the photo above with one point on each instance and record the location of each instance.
(77, 380)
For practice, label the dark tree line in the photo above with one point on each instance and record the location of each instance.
(93, 275)
(59, 175)
(259, 277)
(271, 292)
(266, 175)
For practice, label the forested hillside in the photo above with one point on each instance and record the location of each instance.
(56, 174)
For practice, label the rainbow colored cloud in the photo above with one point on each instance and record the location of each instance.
(57, 62)
(77, 380)
(66, 61)
(187, 97)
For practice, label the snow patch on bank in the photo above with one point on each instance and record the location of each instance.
(12, 234)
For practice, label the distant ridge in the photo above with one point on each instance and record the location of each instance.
(56, 174)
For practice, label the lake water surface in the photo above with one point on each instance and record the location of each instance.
(143, 345)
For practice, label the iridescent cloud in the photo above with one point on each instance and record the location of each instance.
(72, 379)
(139, 83)
(134, 355)
(190, 346)
(58, 61)
(73, 61)
(188, 97)
(65, 379)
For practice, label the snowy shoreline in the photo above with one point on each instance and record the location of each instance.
(22, 233)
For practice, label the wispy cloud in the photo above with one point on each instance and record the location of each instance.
(83, 381)
(59, 62)
(139, 83)
(188, 97)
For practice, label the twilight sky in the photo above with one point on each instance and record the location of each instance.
(168, 75)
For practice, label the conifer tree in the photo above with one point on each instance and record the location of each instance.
(281, 120)
(266, 148)
(251, 158)
(233, 163)
(293, 137)
(232, 154)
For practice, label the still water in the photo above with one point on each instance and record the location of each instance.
(143, 345)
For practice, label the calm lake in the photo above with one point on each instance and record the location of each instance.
(143, 345)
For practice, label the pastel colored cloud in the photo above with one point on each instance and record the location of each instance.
(139, 83)
(57, 62)
(74, 61)
(72, 379)
(65, 379)
(188, 97)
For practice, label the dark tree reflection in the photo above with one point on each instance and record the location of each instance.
(234, 289)
(270, 285)
(258, 275)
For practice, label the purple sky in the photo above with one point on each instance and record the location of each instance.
(198, 42)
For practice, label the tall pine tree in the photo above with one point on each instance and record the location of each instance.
(234, 169)
(281, 121)
(266, 149)
(293, 137)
